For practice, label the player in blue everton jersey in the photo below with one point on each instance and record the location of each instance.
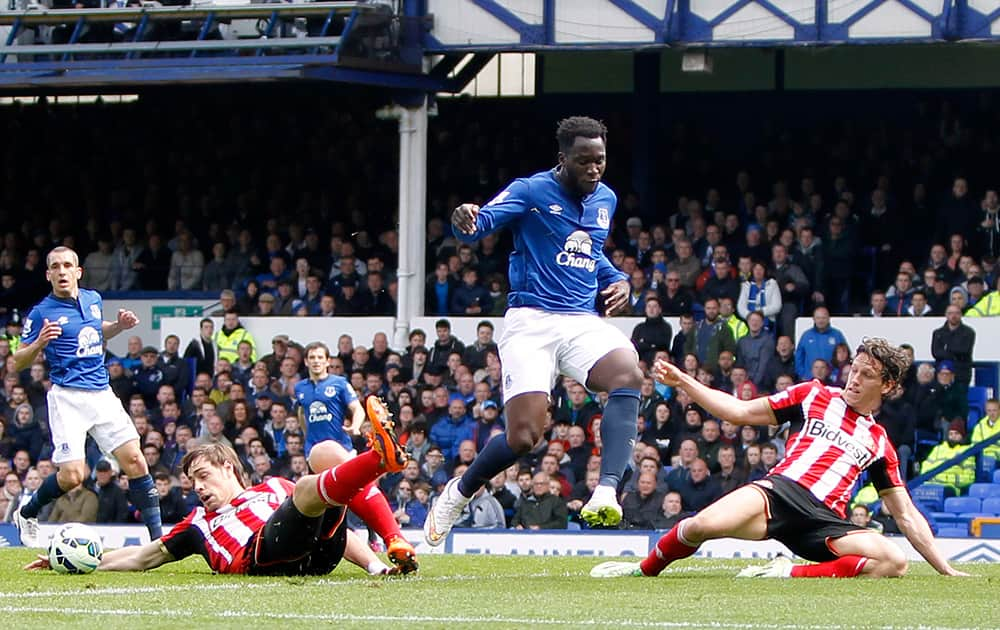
(560, 220)
(69, 327)
(324, 401)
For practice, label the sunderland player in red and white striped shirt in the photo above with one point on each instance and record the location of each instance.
(274, 528)
(833, 438)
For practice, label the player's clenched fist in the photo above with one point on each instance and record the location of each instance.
(667, 373)
(464, 218)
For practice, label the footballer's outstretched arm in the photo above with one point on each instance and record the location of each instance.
(141, 558)
(913, 525)
(718, 403)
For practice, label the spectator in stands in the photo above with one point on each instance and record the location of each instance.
(445, 344)
(449, 432)
(671, 511)
(439, 290)
(675, 299)
(699, 489)
(760, 293)
(202, 347)
(407, 510)
(540, 509)
(112, 502)
(25, 432)
(228, 338)
(962, 474)
(897, 416)
(729, 476)
(124, 272)
(862, 517)
(172, 505)
(686, 454)
(641, 508)
(793, 285)
(484, 511)
(899, 294)
(817, 343)
(10, 495)
(988, 305)
(153, 264)
(186, 265)
(653, 334)
(686, 265)
(474, 355)
(98, 266)
(720, 282)
(987, 427)
(711, 336)
(957, 213)
(580, 409)
(955, 342)
(78, 505)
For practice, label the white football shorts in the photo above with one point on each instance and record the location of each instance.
(73, 413)
(536, 346)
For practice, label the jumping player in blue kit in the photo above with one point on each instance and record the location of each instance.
(69, 327)
(560, 220)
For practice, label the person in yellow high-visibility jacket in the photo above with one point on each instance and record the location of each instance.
(988, 305)
(988, 427)
(228, 338)
(960, 475)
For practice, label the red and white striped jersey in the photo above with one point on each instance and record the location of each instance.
(222, 537)
(830, 445)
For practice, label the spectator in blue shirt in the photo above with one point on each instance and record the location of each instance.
(451, 430)
(818, 342)
(471, 298)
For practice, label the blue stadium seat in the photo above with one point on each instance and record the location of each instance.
(977, 403)
(969, 516)
(958, 505)
(985, 466)
(573, 526)
(991, 505)
(931, 496)
(945, 518)
(996, 476)
(953, 532)
(983, 490)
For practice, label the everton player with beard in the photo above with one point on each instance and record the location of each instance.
(801, 503)
(559, 219)
(68, 327)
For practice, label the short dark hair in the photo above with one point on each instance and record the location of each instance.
(162, 476)
(579, 126)
(316, 345)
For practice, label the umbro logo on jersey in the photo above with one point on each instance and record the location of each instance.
(62, 321)
(555, 209)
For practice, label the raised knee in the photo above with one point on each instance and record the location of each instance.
(70, 478)
(897, 566)
(521, 442)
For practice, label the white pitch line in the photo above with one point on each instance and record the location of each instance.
(246, 614)
(242, 585)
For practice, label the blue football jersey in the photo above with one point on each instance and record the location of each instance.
(324, 407)
(558, 263)
(76, 357)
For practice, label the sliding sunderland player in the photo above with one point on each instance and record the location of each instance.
(274, 528)
(801, 503)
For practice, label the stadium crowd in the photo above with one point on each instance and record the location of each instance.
(737, 262)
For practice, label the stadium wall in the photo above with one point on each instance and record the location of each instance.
(597, 544)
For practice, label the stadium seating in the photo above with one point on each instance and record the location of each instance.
(961, 505)
(931, 496)
(977, 404)
(984, 490)
(991, 505)
(953, 532)
(996, 476)
(985, 466)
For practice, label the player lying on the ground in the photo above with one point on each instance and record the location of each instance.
(832, 440)
(276, 527)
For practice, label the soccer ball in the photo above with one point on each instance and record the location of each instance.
(75, 548)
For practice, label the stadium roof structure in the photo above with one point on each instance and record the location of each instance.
(426, 45)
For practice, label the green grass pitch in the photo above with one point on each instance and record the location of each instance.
(493, 592)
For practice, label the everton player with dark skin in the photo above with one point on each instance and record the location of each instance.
(274, 528)
(559, 219)
(801, 503)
